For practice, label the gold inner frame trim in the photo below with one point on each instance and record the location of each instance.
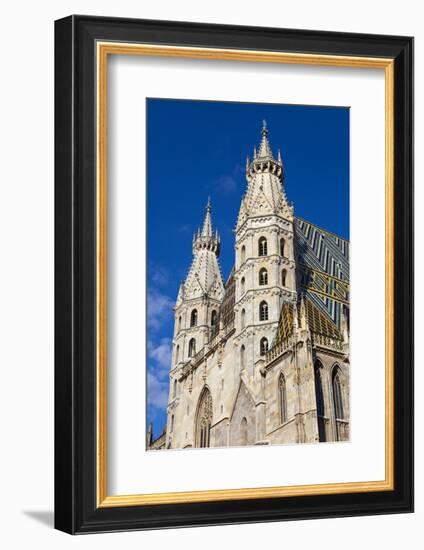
(104, 49)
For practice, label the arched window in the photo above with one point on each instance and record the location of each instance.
(214, 317)
(263, 311)
(263, 346)
(282, 247)
(242, 285)
(174, 391)
(284, 277)
(282, 398)
(171, 429)
(243, 431)
(177, 354)
(193, 318)
(263, 277)
(204, 419)
(242, 357)
(337, 394)
(319, 396)
(192, 347)
(262, 247)
(179, 322)
(242, 255)
(243, 318)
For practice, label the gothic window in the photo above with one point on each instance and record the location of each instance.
(243, 318)
(204, 419)
(284, 277)
(263, 277)
(337, 394)
(177, 354)
(242, 285)
(263, 311)
(263, 346)
(242, 254)
(192, 347)
(319, 396)
(171, 429)
(242, 356)
(174, 391)
(179, 322)
(243, 431)
(213, 318)
(282, 247)
(262, 247)
(282, 398)
(193, 318)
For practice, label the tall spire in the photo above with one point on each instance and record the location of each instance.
(206, 238)
(264, 148)
(265, 183)
(263, 159)
(204, 277)
(207, 224)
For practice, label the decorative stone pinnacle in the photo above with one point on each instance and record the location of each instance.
(205, 238)
(264, 148)
(263, 159)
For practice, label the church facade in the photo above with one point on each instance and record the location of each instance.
(263, 357)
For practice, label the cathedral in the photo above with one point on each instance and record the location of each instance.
(262, 357)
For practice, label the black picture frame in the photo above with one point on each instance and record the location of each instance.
(76, 508)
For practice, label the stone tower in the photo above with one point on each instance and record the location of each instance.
(265, 260)
(197, 305)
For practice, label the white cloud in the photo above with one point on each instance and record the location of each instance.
(226, 184)
(159, 309)
(157, 391)
(158, 274)
(161, 354)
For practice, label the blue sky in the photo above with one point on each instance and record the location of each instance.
(197, 149)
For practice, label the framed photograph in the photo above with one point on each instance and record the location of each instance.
(234, 256)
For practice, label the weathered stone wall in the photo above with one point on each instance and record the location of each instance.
(243, 419)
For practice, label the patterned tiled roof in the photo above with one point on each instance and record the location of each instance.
(318, 322)
(323, 268)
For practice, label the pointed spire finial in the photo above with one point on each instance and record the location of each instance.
(264, 148)
(207, 224)
(205, 236)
